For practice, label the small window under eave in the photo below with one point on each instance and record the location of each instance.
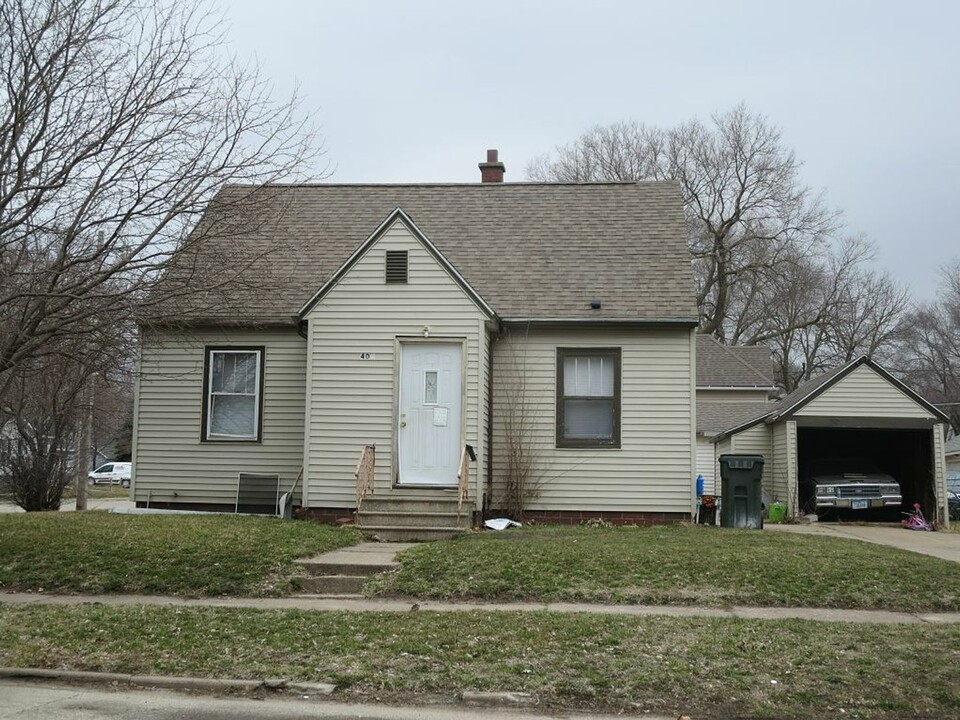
(396, 266)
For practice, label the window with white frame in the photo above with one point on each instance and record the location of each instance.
(233, 394)
(588, 397)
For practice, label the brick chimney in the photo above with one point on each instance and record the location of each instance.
(492, 170)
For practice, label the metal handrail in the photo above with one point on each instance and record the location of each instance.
(463, 482)
(364, 473)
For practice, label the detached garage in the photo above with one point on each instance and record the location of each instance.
(857, 421)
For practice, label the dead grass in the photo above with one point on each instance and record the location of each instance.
(676, 565)
(706, 668)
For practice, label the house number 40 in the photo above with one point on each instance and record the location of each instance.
(367, 356)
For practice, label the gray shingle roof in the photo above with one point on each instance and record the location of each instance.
(714, 417)
(531, 250)
(732, 365)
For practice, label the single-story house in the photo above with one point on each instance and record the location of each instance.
(479, 336)
(855, 410)
(952, 457)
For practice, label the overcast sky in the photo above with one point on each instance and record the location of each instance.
(867, 93)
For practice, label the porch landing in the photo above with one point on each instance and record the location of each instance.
(343, 572)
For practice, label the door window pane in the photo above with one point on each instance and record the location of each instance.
(430, 380)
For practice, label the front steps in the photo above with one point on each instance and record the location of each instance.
(343, 572)
(413, 519)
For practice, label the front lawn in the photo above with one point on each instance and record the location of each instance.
(195, 555)
(701, 667)
(675, 565)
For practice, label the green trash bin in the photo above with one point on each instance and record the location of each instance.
(741, 501)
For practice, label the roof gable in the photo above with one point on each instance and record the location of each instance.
(805, 395)
(397, 216)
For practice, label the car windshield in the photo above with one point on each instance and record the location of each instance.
(843, 466)
(104, 468)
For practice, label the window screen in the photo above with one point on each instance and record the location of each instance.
(233, 394)
(588, 397)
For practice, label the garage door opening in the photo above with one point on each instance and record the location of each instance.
(906, 455)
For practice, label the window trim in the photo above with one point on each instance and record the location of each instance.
(208, 352)
(615, 354)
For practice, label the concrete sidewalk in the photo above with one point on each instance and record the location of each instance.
(319, 603)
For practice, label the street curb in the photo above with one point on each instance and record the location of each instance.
(154, 681)
(497, 699)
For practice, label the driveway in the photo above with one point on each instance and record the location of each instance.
(943, 545)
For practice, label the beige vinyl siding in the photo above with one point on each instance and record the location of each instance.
(724, 447)
(775, 482)
(754, 441)
(479, 468)
(864, 393)
(707, 465)
(652, 470)
(351, 401)
(726, 396)
(171, 464)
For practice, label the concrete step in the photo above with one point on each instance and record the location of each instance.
(410, 533)
(333, 584)
(411, 518)
(318, 568)
(432, 505)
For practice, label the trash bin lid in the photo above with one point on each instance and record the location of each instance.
(741, 462)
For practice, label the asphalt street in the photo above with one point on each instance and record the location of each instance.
(22, 700)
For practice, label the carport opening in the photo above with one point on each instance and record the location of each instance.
(906, 455)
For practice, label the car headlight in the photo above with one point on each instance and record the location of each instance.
(890, 489)
(826, 490)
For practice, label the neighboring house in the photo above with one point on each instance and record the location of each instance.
(952, 455)
(553, 319)
(857, 410)
(734, 384)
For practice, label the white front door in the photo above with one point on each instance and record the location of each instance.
(431, 396)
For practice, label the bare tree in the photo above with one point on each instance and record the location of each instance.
(930, 354)
(40, 423)
(119, 121)
(522, 476)
(744, 203)
(768, 264)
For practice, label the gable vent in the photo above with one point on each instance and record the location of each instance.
(396, 268)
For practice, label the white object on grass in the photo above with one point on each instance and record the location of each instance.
(501, 523)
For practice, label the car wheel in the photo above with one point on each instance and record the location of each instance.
(125, 483)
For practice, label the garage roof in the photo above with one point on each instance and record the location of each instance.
(809, 391)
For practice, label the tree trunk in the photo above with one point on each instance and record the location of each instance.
(83, 445)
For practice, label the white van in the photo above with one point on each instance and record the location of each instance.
(113, 473)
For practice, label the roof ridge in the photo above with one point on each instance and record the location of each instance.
(479, 186)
